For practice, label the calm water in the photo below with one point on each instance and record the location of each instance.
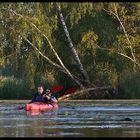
(100, 118)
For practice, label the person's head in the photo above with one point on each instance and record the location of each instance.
(48, 92)
(40, 89)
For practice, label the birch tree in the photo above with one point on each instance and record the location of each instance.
(71, 46)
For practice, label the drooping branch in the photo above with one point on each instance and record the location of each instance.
(119, 53)
(62, 67)
(71, 46)
(44, 56)
(54, 64)
(124, 30)
(51, 46)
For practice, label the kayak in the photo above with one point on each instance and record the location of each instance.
(41, 106)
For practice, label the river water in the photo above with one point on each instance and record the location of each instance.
(96, 118)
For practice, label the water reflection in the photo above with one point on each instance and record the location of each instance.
(33, 113)
(50, 114)
(41, 125)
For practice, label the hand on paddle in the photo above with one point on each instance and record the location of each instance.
(46, 96)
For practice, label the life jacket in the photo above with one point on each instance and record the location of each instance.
(38, 98)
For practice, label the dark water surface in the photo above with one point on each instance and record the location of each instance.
(96, 118)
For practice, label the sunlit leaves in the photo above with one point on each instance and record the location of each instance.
(89, 39)
(89, 26)
(122, 40)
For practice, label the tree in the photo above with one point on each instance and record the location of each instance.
(76, 43)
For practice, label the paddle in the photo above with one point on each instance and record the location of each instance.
(70, 90)
(19, 108)
(56, 89)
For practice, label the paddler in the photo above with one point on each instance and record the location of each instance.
(39, 96)
(49, 98)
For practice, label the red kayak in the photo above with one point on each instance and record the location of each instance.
(41, 106)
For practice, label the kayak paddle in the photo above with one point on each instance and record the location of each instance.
(70, 90)
(19, 108)
(56, 89)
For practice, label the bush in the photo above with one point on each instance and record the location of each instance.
(129, 85)
(13, 88)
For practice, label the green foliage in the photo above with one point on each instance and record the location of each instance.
(90, 39)
(90, 25)
(106, 76)
(13, 88)
(129, 85)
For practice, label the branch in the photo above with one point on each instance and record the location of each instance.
(124, 30)
(49, 60)
(55, 53)
(54, 64)
(126, 56)
(85, 90)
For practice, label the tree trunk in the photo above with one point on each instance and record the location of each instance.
(71, 46)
